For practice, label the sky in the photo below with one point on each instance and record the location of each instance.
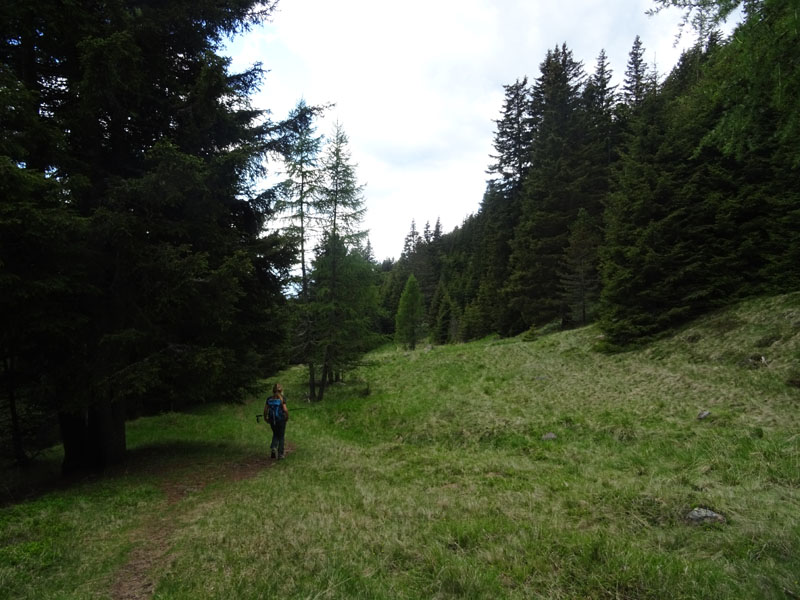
(418, 84)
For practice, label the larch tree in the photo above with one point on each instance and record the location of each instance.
(341, 206)
(300, 191)
(300, 201)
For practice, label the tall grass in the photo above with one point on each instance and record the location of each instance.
(426, 475)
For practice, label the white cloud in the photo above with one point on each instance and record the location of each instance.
(417, 84)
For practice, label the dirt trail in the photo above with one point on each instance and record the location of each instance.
(152, 540)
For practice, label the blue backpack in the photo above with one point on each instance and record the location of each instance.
(275, 411)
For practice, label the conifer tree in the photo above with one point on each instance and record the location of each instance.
(442, 315)
(368, 253)
(704, 211)
(341, 211)
(344, 294)
(514, 137)
(706, 15)
(635, 84)
(411, 242)
(300, 204)
(438, 297)
(300, 191)
(554, 190)
(447, 324)
(502, 202)
(151, 147)
(580, 281)
(629, 298)
(437, 231)
(395, 281)
(694, 175)
(658, 235)
(391, 289)
(600, 98)
(341, 196)
(410, 315)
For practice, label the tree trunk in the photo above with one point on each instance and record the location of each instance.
(93, 438)
(312, 384)
(107, 434)
(324, 379)
(16, 434)
(74, 439)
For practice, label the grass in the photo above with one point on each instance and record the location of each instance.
(438, 484)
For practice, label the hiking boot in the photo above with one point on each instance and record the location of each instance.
(273, 454)
(281, 456)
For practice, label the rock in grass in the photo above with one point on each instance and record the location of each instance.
(704, 515)
(755, 361)
(703, 414)
(549, 436)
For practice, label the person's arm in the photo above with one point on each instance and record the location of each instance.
(285, 409)
(266, 410)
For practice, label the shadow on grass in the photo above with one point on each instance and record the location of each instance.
(175, 466)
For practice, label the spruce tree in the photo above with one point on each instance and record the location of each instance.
(635, 84)
(502, 202)
(344, 301)
(410, 317)
(394, 282)
(580, 281)
(602, 131)
(513, 137)
(657, 267)
(447, 324)
(555, 189)
(152, 148)
(704, 210)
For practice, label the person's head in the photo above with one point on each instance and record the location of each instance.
(277, 390)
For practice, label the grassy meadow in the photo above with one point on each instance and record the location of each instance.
(426, 475)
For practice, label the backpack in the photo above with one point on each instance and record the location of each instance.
(275, 412)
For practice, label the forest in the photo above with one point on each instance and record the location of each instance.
(637, 206)
(144, 268)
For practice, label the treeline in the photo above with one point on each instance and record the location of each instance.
(143, 269)
(639, 205)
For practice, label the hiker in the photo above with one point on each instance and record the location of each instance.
(276, 414)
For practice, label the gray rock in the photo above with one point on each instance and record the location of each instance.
(704, 515)
(549, 436)
(755, 361)
(703, 414)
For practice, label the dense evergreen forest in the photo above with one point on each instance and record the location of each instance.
(144, 268)
(134, 272)
(638, 205)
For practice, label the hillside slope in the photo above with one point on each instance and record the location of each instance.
(431, 474)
